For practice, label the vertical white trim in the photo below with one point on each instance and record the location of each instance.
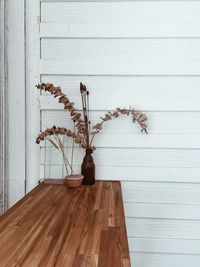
(16, 96)
(32, 94)
(3, 109)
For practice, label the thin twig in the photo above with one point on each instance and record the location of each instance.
(93, 135)
(84, 106)
(63, 154)
(72, 155)
(62, 149)
(88, 109)
(56, 145)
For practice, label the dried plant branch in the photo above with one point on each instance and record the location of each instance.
(83, 92)
(69, 106)
(72, 154)
(81, 133)
(61, 131)
(137, 116)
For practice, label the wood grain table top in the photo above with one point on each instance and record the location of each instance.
(58, 226)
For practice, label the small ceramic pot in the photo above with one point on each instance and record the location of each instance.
(74, 180)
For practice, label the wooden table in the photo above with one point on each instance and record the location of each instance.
(58, 226)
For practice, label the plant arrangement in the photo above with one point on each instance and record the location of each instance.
(83, 133)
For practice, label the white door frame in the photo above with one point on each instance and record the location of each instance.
(3, 111)
(13, 105)
(17, 101)
(32, 94)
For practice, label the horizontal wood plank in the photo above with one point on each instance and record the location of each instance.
(166, 211)
(164, 260)
(120, 50)
(128, 173)
(129, 11)
(112, 102)
(158, 228)
(159, 122)
(146, 141)
(137, 157)
(132, 86)
(120, 30)
(168, 193)
(121, 68)
(169, 245)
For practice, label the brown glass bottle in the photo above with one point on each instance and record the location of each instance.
(88, 168)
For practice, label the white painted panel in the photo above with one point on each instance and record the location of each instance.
(120, 67)
(117, 50)
(133, 86)
(55, 172)
(144, 103)
(15, 190)
(129, 11)
(167, 211)
(171, 193)
(146, 141)
(164, 260)
(119, 157)
(170, 245)
(159, 228)
(158, 122)
(121, 173)
(120, 30)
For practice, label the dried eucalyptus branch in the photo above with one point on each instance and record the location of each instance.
(61, 131)
(69, 106)
(138, 116)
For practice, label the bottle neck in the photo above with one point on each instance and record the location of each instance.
(89, 151)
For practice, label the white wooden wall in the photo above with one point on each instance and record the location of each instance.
(140, 53)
